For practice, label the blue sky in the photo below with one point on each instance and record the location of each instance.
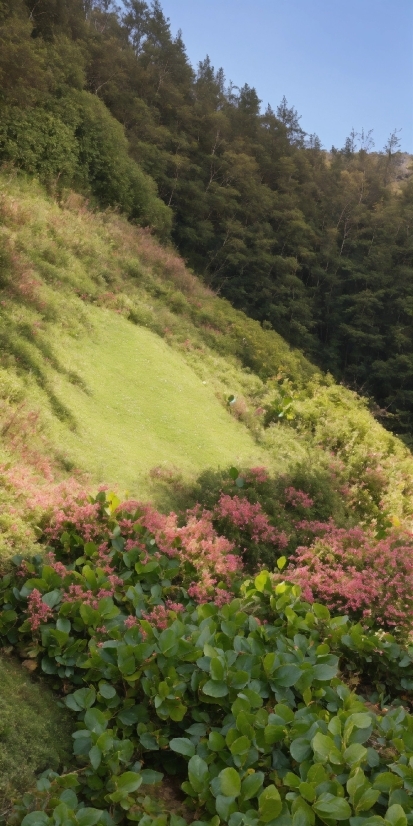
(341, 63)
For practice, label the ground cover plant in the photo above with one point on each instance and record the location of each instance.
(175, 665)
(77, 284)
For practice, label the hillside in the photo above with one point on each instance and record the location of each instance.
(120, 370)
(313, 242)
(118, 365)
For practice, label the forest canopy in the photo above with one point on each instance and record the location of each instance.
(316, 244)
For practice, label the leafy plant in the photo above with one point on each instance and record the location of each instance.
(242, 700)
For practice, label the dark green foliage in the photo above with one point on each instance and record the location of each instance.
(242, 704)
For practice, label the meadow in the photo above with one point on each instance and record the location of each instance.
(181, 490)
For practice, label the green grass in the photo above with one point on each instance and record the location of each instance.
(144, 406)
(34, 732)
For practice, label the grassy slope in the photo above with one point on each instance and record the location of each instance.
(29, 721)
(144, 406)
(115, 398)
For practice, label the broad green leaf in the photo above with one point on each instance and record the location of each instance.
(355, 754)
(269, 804)
(300, 749)
(367, 800)
(324, 672)
(325, 749)
(331, 807)
(107, 691)
(150, 777)
(216, 669)
(262, 582)
(88, 816)
(251, 785)
(286, 675)
(216, 742)
(182, 746)
(168, 643)
(197, 773)
(95, 757)
(230, 782)
(128, 781)
(35, 819)
(241, 745)
(95, 720)
(215, 688)
(395, 816)
(387, 781)
(225, 806)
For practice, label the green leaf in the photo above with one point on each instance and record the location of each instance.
(269, 804)
(395, 816)
(35, 819)
(216, 669)
(300, 749)
(88, 816)
(324, 672)
(387, 782)
(354, 754)
(85, 697)
(367, 800)
(150, 777)
(128, 782)
(251, 785)
(168, 643)
(216, 742)
(233, 472)
(273, 734)
(95, 721)
(182, 746)
(52, 598)
(95, 757)
(262, 582)
(225, 806)
(241, 745)
(215, 688)
(197, 773)
(107, 691)
(286, 675)
(325, 749)
(331, 807)
(63, 624)
(230, 782)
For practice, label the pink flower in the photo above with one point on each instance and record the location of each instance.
(38, 611)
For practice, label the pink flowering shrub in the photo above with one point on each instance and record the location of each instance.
(203, 553)
(350, 571)
(37, 610)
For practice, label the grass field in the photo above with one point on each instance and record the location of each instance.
(142, 406)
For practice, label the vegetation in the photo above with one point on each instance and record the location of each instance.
(30, 720)
(207, 638)
(238, 698)
(315, 244)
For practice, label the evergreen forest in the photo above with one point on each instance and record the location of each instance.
(315, 244)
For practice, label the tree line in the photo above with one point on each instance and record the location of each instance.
(316, 244)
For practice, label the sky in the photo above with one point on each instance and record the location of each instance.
(342, 64)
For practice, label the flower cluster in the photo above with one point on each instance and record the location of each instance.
(37, 610)
(351, 571)
(248, 517)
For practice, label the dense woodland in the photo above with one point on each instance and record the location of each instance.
(316, 244)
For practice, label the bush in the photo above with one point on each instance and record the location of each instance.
(241, 702)
(352, 572)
